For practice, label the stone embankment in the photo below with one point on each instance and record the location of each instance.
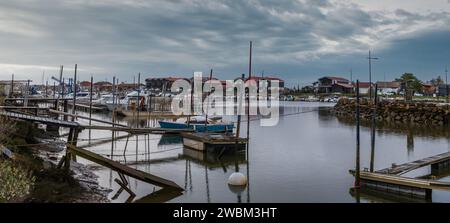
(431, 114)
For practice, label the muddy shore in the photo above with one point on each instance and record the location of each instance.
(39, 153)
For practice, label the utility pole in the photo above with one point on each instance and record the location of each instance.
(351, 75)
(446, 84)
(370, 58)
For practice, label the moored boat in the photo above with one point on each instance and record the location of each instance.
(199, 124)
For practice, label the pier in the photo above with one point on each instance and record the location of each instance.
(390, 179)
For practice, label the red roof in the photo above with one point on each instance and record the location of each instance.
(345, 85)
(85, 84)
(362, 84)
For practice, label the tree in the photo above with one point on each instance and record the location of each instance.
(411, 81)
(437, 81)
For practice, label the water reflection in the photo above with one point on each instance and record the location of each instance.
(306, 157)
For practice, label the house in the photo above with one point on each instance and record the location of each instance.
(103, 86)
(429, 89)
(364, 87)
(388, 87)
(161, 83)
(334, 85)
(85, 85)
(443, 90)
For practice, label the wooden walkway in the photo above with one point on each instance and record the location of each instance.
(405, 181)
(138, 130)
(42, 120)
(123, 169)
(406, 167)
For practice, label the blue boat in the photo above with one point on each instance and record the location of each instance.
(197, 123)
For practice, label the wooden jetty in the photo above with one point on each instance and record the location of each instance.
(155, 130)
(123, 169)
(390, 179)
(33, 118)
(442, 160)
(212, 142)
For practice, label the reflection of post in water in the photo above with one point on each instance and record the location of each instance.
(208, 199)
(188, 176)
(248, 176)
(410, 141)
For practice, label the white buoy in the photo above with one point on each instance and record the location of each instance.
(237, 179)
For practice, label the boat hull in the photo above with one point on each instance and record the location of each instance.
(227, 127)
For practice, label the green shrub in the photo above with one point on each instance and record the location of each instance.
(15, 181)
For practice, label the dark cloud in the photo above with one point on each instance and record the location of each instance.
(295, 39)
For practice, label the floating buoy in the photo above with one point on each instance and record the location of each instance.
(237, 179)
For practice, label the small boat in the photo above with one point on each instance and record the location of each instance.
(197, 123)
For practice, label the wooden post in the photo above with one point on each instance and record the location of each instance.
(206, 117)
(138, 103)
(90, 100)
(46, 89)
(61, 84)
(74, 93)
(65, 109)
(11, 91)
(248, 98)
(357, 171)
(190, 104)
(68, 155)
(239, 107)
(374, 120)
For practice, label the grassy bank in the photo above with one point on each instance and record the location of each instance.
(29, 178)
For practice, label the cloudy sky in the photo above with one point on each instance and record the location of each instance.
(298, 40)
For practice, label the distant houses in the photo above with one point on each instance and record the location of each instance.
(388, 87)
(340, 85)
(334, 85)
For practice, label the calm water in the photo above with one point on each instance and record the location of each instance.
(305, 158)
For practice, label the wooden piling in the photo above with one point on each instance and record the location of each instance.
(248, 98)
(90, 100)
(357, 169)
(373, 128)
(74, 93)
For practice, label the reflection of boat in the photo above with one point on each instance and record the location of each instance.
(213, 142)
(199, 124)
(170, 140)
(214, 160)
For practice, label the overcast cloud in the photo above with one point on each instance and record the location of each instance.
(297, 40)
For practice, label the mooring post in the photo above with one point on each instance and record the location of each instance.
(138, 103)
(207, 104)
(374, 122)
(74, 142)
(90, 100)
(357, 171)
(67, 158)
(74, 91)
(11, 91)
(239, 108)
(65, 104)
(248, 98)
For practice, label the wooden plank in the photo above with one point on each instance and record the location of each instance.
(407, 167)
(126, 170)
(83, 117)
(405, 181)
(137, 130)
(39, 119)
